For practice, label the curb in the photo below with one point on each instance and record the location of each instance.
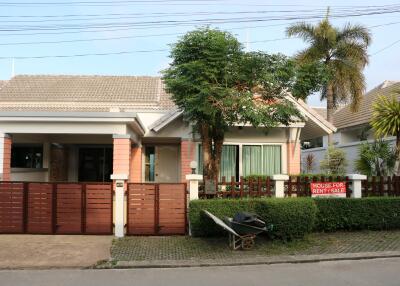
(253, 261)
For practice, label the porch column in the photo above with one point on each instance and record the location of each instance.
(293, 151)
(135, 175)
(121, 164)
(188, 154)
(5, 157)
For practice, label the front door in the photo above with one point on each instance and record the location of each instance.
(166, 164)
(95, 164)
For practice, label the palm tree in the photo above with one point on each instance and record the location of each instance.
(386, 120)
(343, 52)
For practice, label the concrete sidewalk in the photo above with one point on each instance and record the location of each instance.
(52, 251)
(257, 260)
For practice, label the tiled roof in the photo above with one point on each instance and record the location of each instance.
(321, 111)
(344, 117)
(83, 93)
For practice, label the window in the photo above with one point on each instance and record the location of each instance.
(261, 160)
(312, 143)
(229, 161)
(256, 160)
(149, 163)
(27, 156)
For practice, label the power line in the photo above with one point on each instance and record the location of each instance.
(147, 36)
(91, 17)
(385, 48)
(156, 24)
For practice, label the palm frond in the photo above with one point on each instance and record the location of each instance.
(351, 32)
(302, 30)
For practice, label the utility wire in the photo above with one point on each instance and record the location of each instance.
(145, 36)
(155, 24)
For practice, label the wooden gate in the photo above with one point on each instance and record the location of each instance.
(156, 209)
(56, 208)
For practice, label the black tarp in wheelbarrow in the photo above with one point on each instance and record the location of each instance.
(241, 235)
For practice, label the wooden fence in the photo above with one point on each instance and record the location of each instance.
(299, 186)
(296, 186)
(56, 208)
(381, 186)
(233, 189)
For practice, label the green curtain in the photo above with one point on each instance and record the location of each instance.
(272, 159)
(251, 160)
(228, 161)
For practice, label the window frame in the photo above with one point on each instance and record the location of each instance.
(31, 147)
(240, 158)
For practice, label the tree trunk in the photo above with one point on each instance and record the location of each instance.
(397, 166)
(330, 108)
(206, 142)
(212, 141)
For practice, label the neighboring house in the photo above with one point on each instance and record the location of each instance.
(84, 128)
(353, 128)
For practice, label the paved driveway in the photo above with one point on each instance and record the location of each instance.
(47, 251)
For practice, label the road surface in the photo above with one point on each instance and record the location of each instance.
(366, 272)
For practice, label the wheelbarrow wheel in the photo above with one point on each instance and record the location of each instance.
(247, 243)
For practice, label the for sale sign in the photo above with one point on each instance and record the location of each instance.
(328, 189)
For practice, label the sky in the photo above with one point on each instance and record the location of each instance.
(134, 36)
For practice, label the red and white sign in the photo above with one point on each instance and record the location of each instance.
(328, 189)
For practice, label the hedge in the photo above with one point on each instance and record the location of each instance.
(379, 213)
(291, 217)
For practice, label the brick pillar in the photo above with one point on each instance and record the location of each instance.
(188, 154)
(121, 154)
(293, 151)
(5, 157)
(135, 174)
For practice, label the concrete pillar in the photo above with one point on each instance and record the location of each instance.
(5, 157)
(193, 180)
(121, 168)
(356, 179)
(135, 175)
(293, 151)
(188, 154)
(280, 185)
(119, 220)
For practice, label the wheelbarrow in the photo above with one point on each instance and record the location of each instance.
(240, 235)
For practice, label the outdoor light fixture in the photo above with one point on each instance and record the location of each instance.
(193, 166)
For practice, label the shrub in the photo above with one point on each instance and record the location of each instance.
(376, 159)
(291, 217)
(377, 213)
(334, 161)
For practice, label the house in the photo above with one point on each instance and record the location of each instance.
(353, 128)
(85, 128)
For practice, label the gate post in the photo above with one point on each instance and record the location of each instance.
(194, 185)
(280, 185)
(120, 183)
(356, 179)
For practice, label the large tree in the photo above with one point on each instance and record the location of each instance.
(386, 121)
(343, 52)
(218, 85)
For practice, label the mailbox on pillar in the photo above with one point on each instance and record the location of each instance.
(120, 180)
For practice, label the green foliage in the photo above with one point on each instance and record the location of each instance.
(344, 54)
(357, 214)
(334, 162)
(386, 116)
(218, 85)
(214, 81)
(291, 217)
(376, 159)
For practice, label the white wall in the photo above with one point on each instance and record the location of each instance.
(351, 150)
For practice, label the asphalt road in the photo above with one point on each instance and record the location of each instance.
(367, 272)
